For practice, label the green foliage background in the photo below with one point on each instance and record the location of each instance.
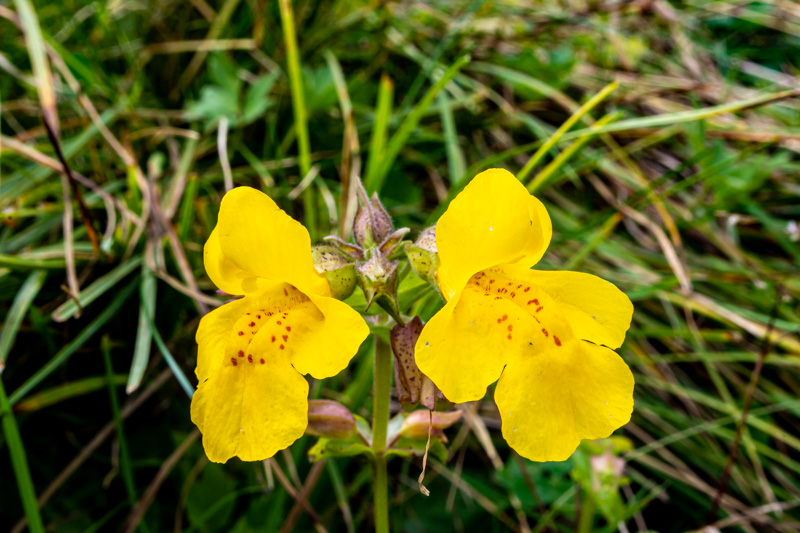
(694, 214)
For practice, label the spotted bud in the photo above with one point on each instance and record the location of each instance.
(414, 388)
(416, 424)
(337, 268)
(422, 256)
(330, 419)
(372, 223)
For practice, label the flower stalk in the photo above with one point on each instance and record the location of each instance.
(380, 422)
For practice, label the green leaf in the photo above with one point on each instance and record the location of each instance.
(257, 100)
(325, 448)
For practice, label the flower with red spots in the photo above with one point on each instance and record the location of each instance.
(547, 336)
(252, 398)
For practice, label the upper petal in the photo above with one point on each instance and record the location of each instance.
(262, 240)
(494, 220)
(551, 399)
(222, 271)
(596, 310)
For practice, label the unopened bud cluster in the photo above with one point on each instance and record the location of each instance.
(372, 262)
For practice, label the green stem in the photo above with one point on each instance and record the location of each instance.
(380, 422)
(586, 520)
(300, 112)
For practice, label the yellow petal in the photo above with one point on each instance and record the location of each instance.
(596, 310)
(328, 339)
(551, 399)
(263, 241)
(223, 273)
(492, 221)
(252, 406)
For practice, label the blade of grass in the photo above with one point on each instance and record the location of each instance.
(19, 463)
(411, 122)
(300, 111)
(693, 115)
(144, 336)
(380, 130)
(455, 157)
(67, 351)
(562, 158)
(173, 365)
(565, 127)
(124, 456)
(66, 391)
(103, 284)
(41, 67)
(22, 301)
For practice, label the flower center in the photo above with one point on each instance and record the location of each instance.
(496, 284)
(275, 315)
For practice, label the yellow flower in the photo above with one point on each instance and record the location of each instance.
(527, 328)
(252, 399)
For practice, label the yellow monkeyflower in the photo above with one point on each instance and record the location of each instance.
(252, 399)
(544, 335)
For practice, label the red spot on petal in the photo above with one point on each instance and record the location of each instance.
(249, 358)
(241, 353)
(519, 286)
(505, 317)
(558, 342)
(288, 328)
(527, 289)
(285, 337)
(258, 317)
(532, 302)
(510, 328)
(282, 347)
(279, 322)
(252, 324)
(262, 361)
(241, 333)
(545, 332)
(285, 292)
(491, 281)
(509, 337)
(539, 308)
(513, 294)
(273, 338)
(233, 361)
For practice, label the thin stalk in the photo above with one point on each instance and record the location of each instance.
(300, 112)
(19, 463)
(380, 422)
(586, 520)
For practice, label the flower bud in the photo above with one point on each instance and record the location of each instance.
(389, 246)
(337, 268)
(372, 223)
(413, 387)
(415, 425)
(330, 419)
(378, 279)
(422, 256)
